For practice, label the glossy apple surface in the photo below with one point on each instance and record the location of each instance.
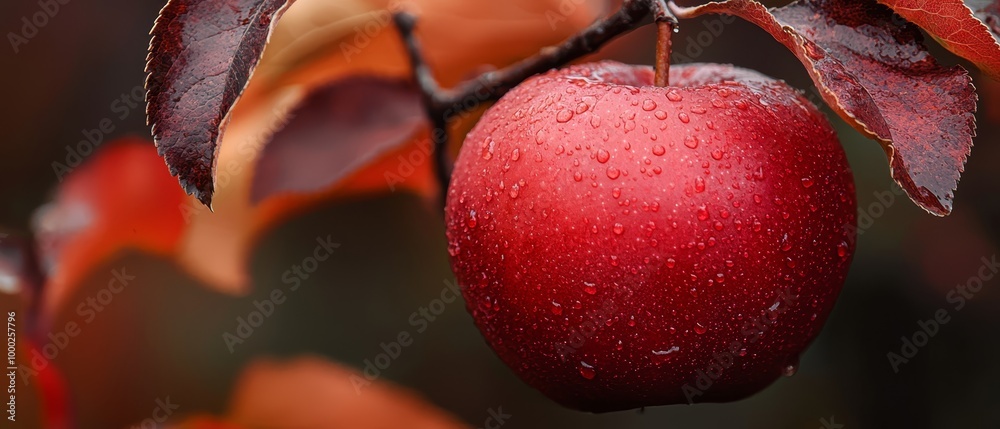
(624, 245)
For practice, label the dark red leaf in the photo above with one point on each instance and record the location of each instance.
(970, 34)
(201, 56)
(336, 131)
(874, 71)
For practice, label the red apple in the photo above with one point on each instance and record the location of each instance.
(623, 245)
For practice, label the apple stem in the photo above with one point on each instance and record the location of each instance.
(441, 105)
(666, 24)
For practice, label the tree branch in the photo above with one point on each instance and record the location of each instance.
(443, 104)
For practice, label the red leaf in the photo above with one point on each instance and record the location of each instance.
(876, 74)
(970, 34)
(335, 132)
(119, 199)
(201, 56)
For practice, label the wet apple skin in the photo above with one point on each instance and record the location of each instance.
(613, 239)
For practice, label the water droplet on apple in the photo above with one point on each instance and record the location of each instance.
(648, 105)
(717, 155)
(673, 95)
(789, 370)
(671, 263)
(590, 288)
(699, 328)
(842, 249)
(564, 115)
(515, 155)
(488, 147)
(659, 150)
(807, 182)
(684, 117)
(691, 142)
(661, 115)
(613, 173)
(699, 184)
(587, 371)
(556, 308)
(664, 354)
(578, 176)
(603, 156)
(618, 229)
(540, 136)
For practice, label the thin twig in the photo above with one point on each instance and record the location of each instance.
(666, 24)
(443, 104)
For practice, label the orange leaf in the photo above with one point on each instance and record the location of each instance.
(216, 245)
(312, 393)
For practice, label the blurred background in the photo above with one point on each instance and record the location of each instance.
(162, 337)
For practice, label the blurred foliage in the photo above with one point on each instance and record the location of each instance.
(162, 335)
